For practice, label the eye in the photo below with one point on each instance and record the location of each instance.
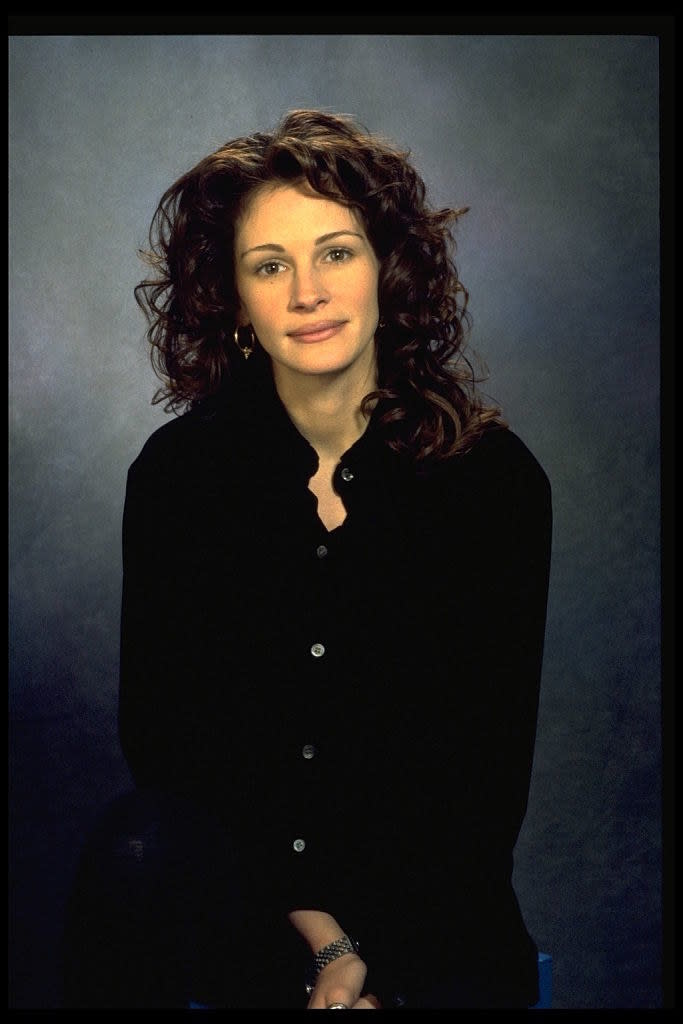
(270, 268)
(338, 255)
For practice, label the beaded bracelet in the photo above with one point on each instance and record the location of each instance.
(326, 955)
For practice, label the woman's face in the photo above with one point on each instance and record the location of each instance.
(307, 279)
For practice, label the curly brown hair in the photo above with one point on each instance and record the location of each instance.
(427, 397)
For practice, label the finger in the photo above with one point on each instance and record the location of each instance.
(321, 1000)
(365, 1003)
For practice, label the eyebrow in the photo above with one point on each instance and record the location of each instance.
(319, 241)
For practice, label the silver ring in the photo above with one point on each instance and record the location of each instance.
(337, 1006)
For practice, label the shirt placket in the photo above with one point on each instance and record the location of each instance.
(320, 661)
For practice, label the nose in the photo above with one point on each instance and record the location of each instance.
(308, 291)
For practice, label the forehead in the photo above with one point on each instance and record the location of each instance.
(291, 212)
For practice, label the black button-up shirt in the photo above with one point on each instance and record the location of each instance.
(360, 704)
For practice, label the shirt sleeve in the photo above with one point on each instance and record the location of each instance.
(158, 718)
(142, 733)
(464, 797)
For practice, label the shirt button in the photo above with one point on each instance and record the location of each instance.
(308, 750)
(346, 474)
(317, 650)
(299, 845)
(321, 551)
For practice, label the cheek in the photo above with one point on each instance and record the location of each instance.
(260, 307)
(370, 297)
(243, 298)
(364, 290)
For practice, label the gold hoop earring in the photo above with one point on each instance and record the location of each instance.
(246, 350)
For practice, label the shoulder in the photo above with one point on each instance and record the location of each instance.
(221, 432)
(492, 486)
(186, 444)
(501, 456)
(497, 496)
(170, 440)
(497, 460)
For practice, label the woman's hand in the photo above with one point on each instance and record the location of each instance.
(342, 982)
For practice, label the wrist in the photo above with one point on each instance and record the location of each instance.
(316, 927)
(329, 954)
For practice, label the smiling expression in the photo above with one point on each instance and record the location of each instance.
(307, 279)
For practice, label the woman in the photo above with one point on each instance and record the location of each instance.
(335, 581)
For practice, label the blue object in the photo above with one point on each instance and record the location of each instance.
(545, 982)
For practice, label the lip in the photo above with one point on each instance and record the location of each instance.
(320, 331)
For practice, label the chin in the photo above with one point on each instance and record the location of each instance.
(319, 367)
(319, 362)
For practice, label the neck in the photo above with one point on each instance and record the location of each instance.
(325, 408)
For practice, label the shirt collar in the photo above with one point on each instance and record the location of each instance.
(251, 408)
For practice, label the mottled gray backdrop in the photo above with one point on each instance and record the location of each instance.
(553, 142)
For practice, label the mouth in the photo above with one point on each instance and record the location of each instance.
(317, 332)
